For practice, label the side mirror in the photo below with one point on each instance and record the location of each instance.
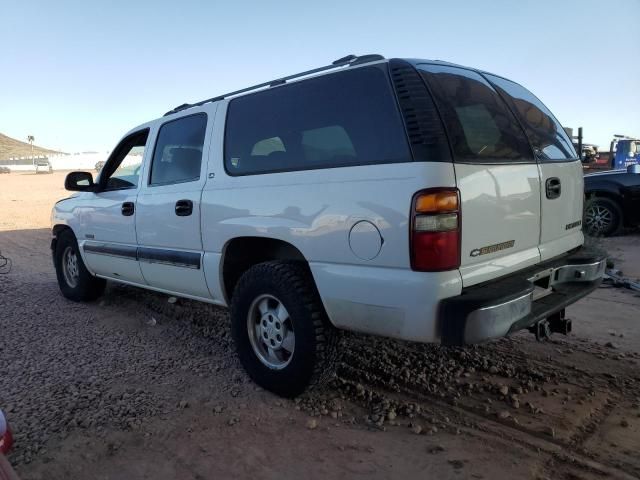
(79, 182)
(634, 168)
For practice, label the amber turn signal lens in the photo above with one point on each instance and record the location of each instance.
(437, 202)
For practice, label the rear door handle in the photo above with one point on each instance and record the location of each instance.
(553, 187)
(184, 208)
(127, 209)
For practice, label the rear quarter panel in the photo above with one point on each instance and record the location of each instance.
(314, 210)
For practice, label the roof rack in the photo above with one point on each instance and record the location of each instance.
(348, 60)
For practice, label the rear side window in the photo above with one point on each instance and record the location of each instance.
(548, 138)
(343, 119)
(178, 154)
(481, 128)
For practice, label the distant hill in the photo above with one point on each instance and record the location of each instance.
(10, 147)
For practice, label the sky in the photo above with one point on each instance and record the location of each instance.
(77, 75)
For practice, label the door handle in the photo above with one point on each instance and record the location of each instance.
(184, 208)
(553, 187)
(127, 209)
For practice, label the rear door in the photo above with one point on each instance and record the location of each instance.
(168, 217)
(496, 174)
(561, 176)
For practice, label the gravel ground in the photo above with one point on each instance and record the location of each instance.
(134, 386)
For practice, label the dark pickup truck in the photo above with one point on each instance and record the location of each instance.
(613, 201)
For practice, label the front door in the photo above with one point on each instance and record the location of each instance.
(168, 218)
(108, 231)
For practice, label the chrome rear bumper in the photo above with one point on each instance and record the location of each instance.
(495, 309)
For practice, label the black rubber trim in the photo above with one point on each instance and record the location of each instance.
(144, 254)
(125, 251)
(169, 257)
(453, 312)
(563, 297)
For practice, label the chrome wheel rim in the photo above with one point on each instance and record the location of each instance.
(70, 267)
(271, 332)
(598, 218)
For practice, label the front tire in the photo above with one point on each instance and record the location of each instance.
(602, 217)
(74, 280)
(281, 332)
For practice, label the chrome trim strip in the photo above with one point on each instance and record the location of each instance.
(174, 258)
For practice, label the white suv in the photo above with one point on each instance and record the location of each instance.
(412, 199)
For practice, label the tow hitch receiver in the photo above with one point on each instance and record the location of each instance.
(541, 330)
(555, 323)
(559, 324)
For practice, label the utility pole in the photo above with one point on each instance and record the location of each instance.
(32, 139)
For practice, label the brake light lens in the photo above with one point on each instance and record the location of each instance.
(6, 438)
(435, 230)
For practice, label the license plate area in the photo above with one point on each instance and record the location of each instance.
(542, 285)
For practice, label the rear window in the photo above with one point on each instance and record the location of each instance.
(548, 138)
(343, 119)
(481, 128)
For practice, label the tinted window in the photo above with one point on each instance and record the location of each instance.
(481, 128)
(178, 154)
(545, 133)
(347, 118)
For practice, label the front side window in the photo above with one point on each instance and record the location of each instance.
(178, 154)
(122, 170)
(481, 128)
(343, 119)
(548, 138)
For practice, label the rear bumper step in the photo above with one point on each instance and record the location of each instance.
(501, 307)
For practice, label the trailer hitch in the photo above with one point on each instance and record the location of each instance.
(556, 323)
(541, 330)
(559, 324)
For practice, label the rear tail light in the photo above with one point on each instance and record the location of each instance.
(6, 439)
(435, 230)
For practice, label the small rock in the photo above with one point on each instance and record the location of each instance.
(503, 414)
(218, 409)
(417, 429)
(551, 432)
(391, 415)
(493, 370)
(609, 345)
(504, 390)
(624, 423)
(436, 449)
(152, 322)
(183, 404)
(172, 300)
(312, 424)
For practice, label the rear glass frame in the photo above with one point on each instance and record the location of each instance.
(397, 122)
(510, 101)
(454, 127)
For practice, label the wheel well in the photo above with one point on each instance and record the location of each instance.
(240, 254)
(604, 194)
(57, 229)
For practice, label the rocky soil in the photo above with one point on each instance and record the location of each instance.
(137, 385)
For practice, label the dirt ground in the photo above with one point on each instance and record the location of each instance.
(132, 386)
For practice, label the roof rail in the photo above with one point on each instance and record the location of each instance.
(348, 60)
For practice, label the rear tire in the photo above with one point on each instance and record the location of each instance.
(282, 335)
(74, 280)
(602, 217)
